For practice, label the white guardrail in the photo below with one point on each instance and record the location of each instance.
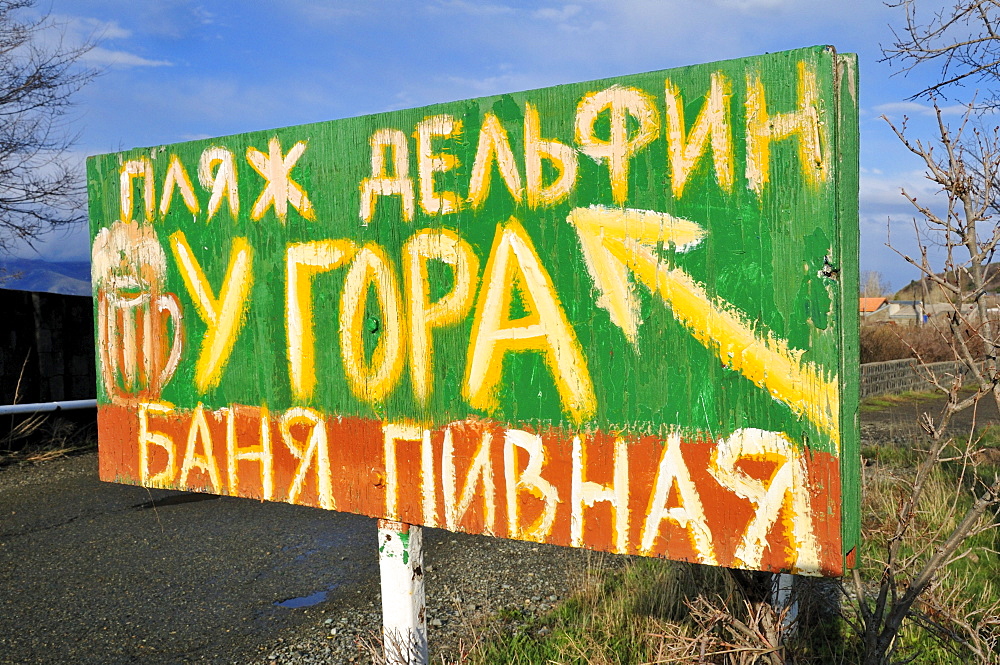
(42, 407)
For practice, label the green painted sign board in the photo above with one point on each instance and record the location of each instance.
(618, 314)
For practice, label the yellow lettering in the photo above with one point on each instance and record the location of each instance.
(480, 472)
(372, 382)
(428, 163)
(392, 434)
(689, 515)
(562, 157)
(514, 264)
(177, 178)
(195, 460)
(260, 453)
(132, 169)
(149, 438)
(381, 183)
(493, 146)
(802, 123)
(451, 308)
(302, 262)
(786, 492)
(279, 188)
(315, 453)
(531, 480)
(224, 315)
(587, 493)
(621, 103)
(222, 183)
(712, 124)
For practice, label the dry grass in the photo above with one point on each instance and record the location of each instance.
(957, 619)
(650, 612)
(42, 437)
(930, 342)
(653, 611)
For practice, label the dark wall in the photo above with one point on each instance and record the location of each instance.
(47, 350)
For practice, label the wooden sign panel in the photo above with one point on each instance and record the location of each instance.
(618, 314)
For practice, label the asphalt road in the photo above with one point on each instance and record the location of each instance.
(93, 572)
(101, 573)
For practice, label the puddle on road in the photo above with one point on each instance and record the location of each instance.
(305, 601)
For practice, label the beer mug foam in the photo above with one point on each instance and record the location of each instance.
(139, 326)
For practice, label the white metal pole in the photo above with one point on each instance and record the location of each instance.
(404, 620)
(781, 599)
(43, 407)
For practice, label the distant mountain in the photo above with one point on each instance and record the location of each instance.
(67, 277)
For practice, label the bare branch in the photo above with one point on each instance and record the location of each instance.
(962, 41)
(40, 189)
(927, 533)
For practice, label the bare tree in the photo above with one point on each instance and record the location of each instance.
(962, 40)
(874, 284)
(927, 531)
(39, 74)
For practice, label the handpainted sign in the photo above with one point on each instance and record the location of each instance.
(617, 314)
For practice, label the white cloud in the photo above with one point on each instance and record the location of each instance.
(101, 56)
(174, 19)
(881, 193)
(473, 8)
(68, 243)
(916, 108)
(890, 226)
(64, 243)
(83, 28)
(66, 31)
(564, 13)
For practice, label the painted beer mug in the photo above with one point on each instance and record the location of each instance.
(139, 326)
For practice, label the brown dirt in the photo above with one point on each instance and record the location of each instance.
(901, 420)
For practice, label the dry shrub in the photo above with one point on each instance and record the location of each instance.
(915, 503)
(879, 343)
(929, 343)
(41, 437)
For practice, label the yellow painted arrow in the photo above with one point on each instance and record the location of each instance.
(616, 242)
(597, 225)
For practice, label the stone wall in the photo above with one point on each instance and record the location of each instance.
(899, 376)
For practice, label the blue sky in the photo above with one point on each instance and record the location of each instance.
(174, 70)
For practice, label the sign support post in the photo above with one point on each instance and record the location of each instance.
(782, 590)
(404, 616)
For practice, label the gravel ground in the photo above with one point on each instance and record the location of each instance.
(474, 584)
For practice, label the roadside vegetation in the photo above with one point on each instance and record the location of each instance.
(43, 437)
(882, 402)
(928, 343)
(654, 611)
